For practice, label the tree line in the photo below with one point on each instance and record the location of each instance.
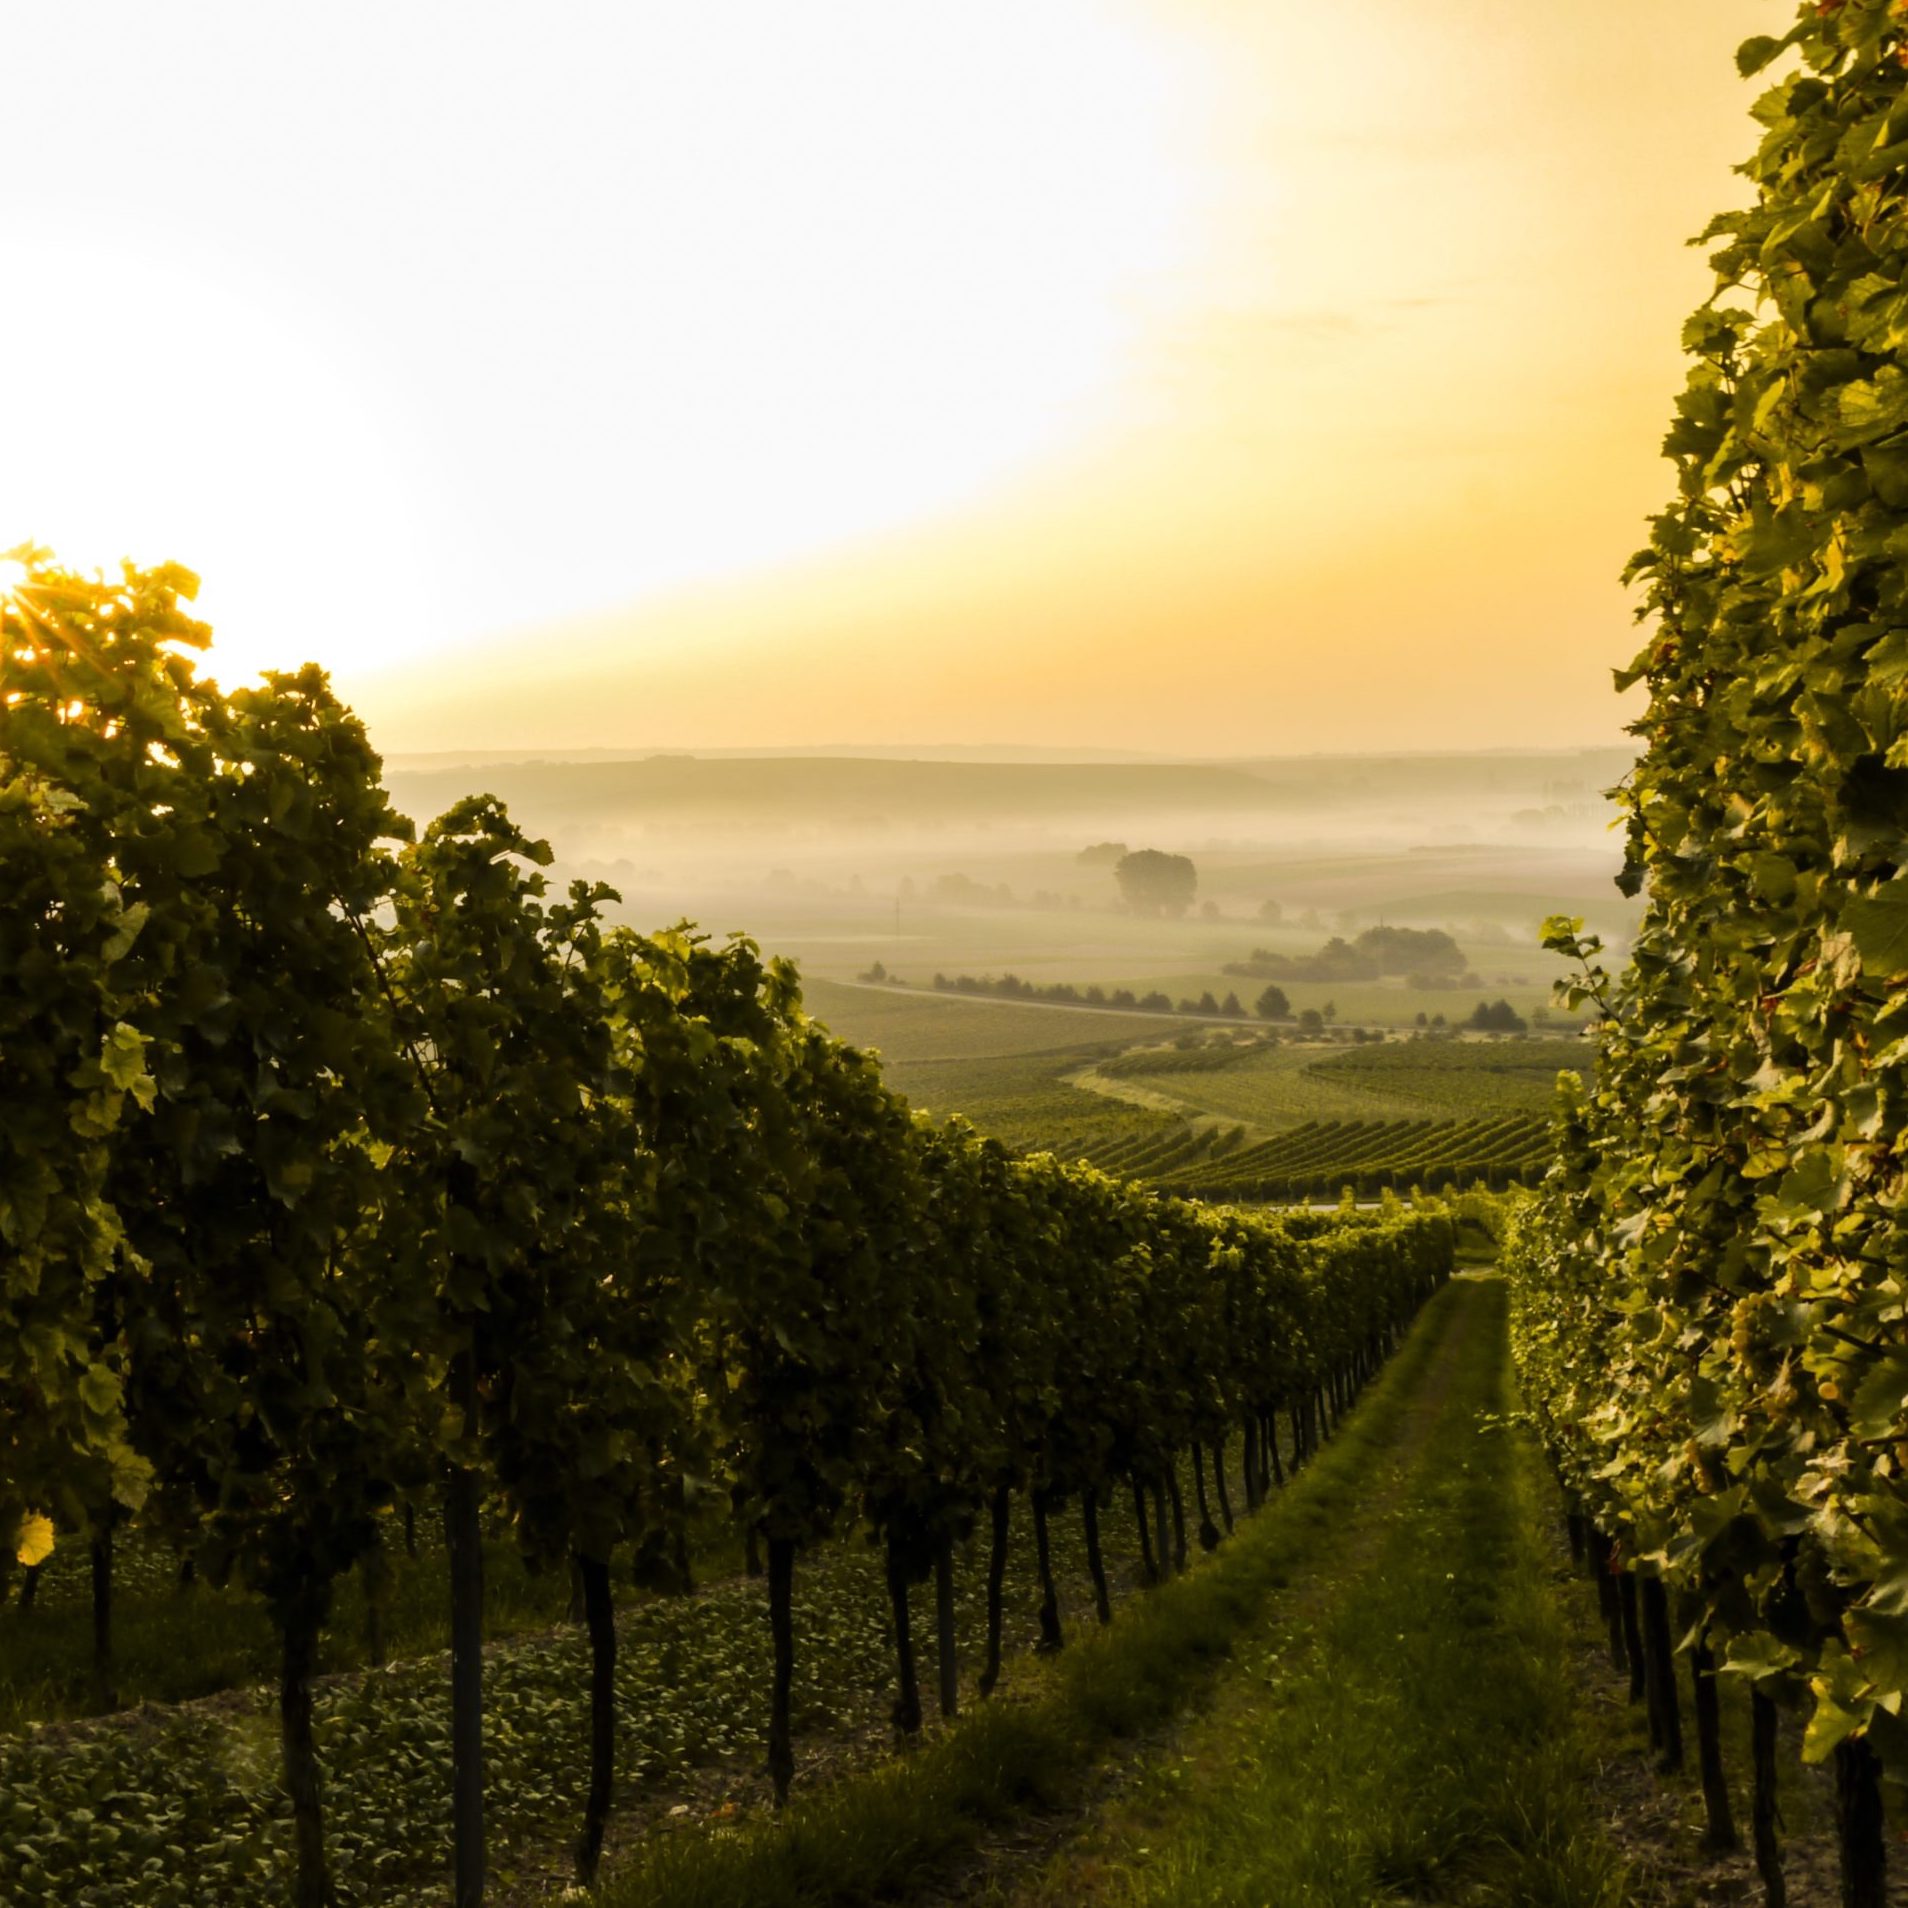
(345, 1170)
(1072, 994)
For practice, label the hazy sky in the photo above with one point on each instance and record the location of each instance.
(1206, 375)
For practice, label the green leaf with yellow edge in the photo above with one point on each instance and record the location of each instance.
(34, 1542)
(1841, 1703)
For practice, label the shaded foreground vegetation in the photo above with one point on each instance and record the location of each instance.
(1711, 1286)
(393, 1187)
(186, 1806)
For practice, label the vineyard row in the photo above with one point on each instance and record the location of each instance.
(344, 1171)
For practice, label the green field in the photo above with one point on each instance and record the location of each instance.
(1398, 1724)
(1230, 1117)
(905, 1028)
(1317, 1160)
(1004, 1067)
(1287, 1086)
(1272, 1088)
(836, 936)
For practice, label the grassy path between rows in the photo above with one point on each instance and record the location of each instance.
(1400, 1726)
(1363, 1696)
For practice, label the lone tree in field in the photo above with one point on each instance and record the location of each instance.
(1272, 1004)
(1152, 882)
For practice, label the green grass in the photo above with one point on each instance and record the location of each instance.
(1239, 1118)
(1344, 1575)
(1409, 1734)
(1275, 1088)
(1004, 1066)
(1001, 1066)
(1191, 1055)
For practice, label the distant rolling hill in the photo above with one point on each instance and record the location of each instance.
(852, 792)
(836, 791)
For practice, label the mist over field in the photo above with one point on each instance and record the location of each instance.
(947, 863)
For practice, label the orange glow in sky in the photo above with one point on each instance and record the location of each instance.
(1190, 375)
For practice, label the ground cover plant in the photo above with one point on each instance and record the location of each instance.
(204, 1779)
(175, 1641)
(689, 1671)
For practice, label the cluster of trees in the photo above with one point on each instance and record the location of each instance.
(1496, 1016)
(1428, 957)
(1403, 950)
(1489, 1017)
(1272, 1004)
(344, 1169)
(1709, 1292)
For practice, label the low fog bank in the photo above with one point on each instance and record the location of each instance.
(964, 865)
(712, 817)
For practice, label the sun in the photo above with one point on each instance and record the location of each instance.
(743, 285)
(206, 427)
